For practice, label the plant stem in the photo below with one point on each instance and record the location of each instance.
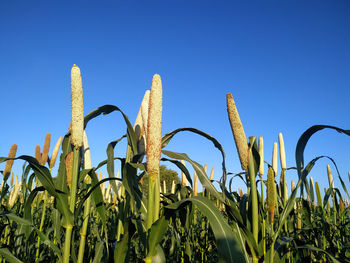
(73, 192)
(83, 230)
(254, 196)
(150, 204)
(41, 227)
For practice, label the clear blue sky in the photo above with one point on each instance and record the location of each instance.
(287, 64)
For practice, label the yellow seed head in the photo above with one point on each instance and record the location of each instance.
(144, 110)
(46, 149)
(341, 205)
(9, 163)
(240, 192)
(312, 192)
(261, 153)
(77, 107)
(173, 187)
(184, 181)
(271, 190)
(318, 194)
(274, 158)
(55, 152)
(330, 176)
(87, 157)
(154, 128)
(139, 126)
(237, 131)
(69, 168)
(11, 181)
(195, 184)
(282, 151)
(38, 153)
(14, 195)
(212, 174)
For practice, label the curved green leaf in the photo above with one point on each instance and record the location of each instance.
(228, 248)
(167, 138)
(199, 170)
(9, 256)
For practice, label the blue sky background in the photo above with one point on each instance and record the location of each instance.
(287, 64)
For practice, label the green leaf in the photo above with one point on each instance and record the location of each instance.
(98, 252)
(9, 256)
(110, 162)
(199, 170)
(19, 220)
(167, 138)
(157, 232)
(228, 248)
(49, 243)
(106, 109)
(334, 260)
(121, 249)
(303, 140)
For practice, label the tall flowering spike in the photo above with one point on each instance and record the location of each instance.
(184, 181)
(144, 110)
(318, 194)
(195, 184)
(140, 126)
(46, 149)
(87, 157)
(238, 131)
(312, 192)
(212, 174)
(11, 181)
(293, 185)
(154, 128)
(87, 154)
(261, 153)
(282, 151)
(271, 190)
(9, 163)
(69, 168)
(55, 152)
(38, 153)
(330, 176)
(274, 158)
(341, 205)
(77, 107)
(14, 194)
(173, 185)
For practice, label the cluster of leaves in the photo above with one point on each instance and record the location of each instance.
(215, 226)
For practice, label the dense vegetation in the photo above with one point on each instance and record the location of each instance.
(77, 216)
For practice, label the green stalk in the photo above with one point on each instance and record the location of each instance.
(157, 200)
(263, 227)
(253, 192)
(73, 192)
(41, 227)
(150, 204)
(87, 181)
(84, 230)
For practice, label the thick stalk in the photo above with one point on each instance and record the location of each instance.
(156, 200)
(254, 196)
(84, 230)
(73, 192)
(150, 203)
(66, 251)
